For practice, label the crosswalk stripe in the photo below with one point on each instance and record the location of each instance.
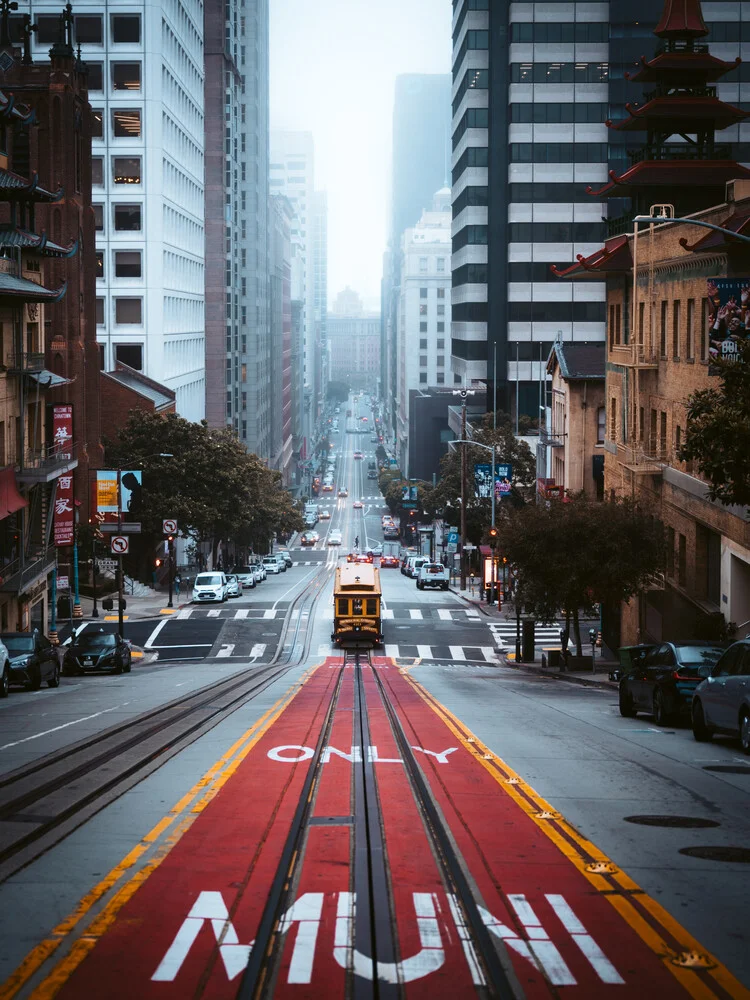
(185, 613)
(489, 653)
(391, 650)
(425, 652)
(258, 650)
(445, 614)
(214, 614)
(415, 613)
(386, 613)
(243, 613)
(457, 652)
(271, 613)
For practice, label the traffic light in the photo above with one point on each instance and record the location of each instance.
(493, 532)
(157, 563)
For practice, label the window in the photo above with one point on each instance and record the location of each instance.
(88, 29)
(663, 434)
(128, 311)
(126, 124)
(441, 343)
(476, 274)
(601, 424)
(130, 355)
(559, 72)
(423, 265)
(423, 293)
(126, 76)
(663, 329)
(670, 551)
(690, 339)
(473, 234)
(126, 169)
(128, 264)
(127, 218)
(440, 327)
(677, 441)
(440, 378)
(98, 218)
(126, 28)
(440, 267)
(95, 76)
(558, 113)
(97, 126)
(441, 310)
(423, 326)
(423, 310)
(440, 292)
(423, 344)
(423, 378)
(641, 320)
(97, 170)
(100, 312)
(676, 329)
(441, 361)
(99, 269)
(613, 419)
(704, 329)
(422, 360)
(48, 28)
(102, 360)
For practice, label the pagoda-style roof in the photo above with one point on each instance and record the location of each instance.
(679, 113)
(13, 186)
(681, 19)
(14, 237)
(676, 67)
(19, 112)
(670, 173)
(613, 257)
(23, 290)
(738, 222)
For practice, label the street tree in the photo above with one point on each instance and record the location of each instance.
(718, 431)
(570, 555)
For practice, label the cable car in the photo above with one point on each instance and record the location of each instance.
(356, 605)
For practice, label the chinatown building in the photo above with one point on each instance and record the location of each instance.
(49, 369)
(666, 285)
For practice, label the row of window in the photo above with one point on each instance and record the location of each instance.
(472, 40)
(558, 152)
(127, 264)
(528, 271)
(423, 292)
(125, 29)
(125, 218)
(564, 312)
(548, 191)
(439, 326)
(556, 232)
(469, 312)
(556, 113)
(439, 378)
(675, 328)
(468, 6)
(470, 274)
(440, 344)
(559, 72)
(440, 360)
(125, 170)
(474, 235)
(424, 265)
(128, 312)
(126, 123)
(440, 309)
(471, 197)
(472, 118)
(474, 156)
(547, 33)
(474, 79)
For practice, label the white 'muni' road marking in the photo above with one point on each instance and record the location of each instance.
(391, 650)
(602, 965)
(445, 614)
(415, 613)
(226, 650)
(185, 613)
(457, 652)
(242, 614)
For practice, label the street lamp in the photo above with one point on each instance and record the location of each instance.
(463, 393)
(491, 449)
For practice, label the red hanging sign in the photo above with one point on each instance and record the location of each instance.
(62, 431)
(64, 510)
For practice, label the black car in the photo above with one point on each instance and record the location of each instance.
(662, 682)
(32, 659)
(97, 651)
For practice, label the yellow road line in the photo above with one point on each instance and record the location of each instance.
(532, 803)
(207, 787)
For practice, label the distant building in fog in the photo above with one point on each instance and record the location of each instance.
(354, 347)
(348, 303)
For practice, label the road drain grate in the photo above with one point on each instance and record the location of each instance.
(684, 822)
(733, 855)
(727, 768)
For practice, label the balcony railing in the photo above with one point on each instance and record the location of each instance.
(28, 361)
(680, 151)
(23, 572)
(44, 464)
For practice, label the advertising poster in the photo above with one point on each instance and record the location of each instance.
(483, 480)
(62, 431)
(131, 482)
(64, 511)
(728, 319)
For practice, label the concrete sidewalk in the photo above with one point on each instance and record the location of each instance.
(150, 606)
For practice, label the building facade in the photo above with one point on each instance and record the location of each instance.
(354, 343)
(424, 314)
(239, 343)
(147, 180)
(280, 299)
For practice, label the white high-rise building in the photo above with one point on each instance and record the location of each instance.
(145, 64)
(424, 312)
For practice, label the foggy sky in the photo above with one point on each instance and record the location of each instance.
(333, 66)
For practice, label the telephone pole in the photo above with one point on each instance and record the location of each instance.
(463, 393)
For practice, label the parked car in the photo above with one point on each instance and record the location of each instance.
(662, 682)
(414, 565)
(284, 553)
(721, 704)
(4, 671)
(433, 574)
(274, 564)
(334, 537)
(259, 572)
(246, 576)
(209, 587)
(406, 555)
(31, 659)
(234, 587)
(97, 651)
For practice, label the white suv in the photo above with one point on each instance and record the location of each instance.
(433, 574)
(210, 587)
(274, 564)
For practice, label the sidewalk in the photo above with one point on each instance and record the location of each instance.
(136, 608)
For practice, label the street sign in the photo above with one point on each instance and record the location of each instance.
(120, 544)
(169, 526)
(107, 565)
(469, 547)
(452, 537)
(451, 547)
(63, 583)
(128, 527)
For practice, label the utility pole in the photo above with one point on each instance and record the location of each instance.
(120, 580)
(463, 393)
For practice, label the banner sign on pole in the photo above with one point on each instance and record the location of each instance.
(62, 431)
(64, 511)
(131, 482)
(483, 480)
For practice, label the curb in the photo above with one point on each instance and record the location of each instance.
(570, 678)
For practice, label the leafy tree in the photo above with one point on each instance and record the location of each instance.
(573, 554)
(718, 432)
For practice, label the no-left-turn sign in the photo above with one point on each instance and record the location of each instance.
(120, 544)
(169, 526)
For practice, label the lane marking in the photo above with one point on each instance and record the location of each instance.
(65, 725)
(532, 804)
(242, 614)
(258, 650)
(425, 652)
(386, 613)
(215, 613)
(150, 641)
(489, 653)
(188, 645)
(457, 653)
(391, 651)
(181, 817)
(184, 614)
(269, 613)
(226, 650)
(415, 613)
(445, 614)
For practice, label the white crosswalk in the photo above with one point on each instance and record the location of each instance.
(252, 614)
(544, 635)
(452, 654)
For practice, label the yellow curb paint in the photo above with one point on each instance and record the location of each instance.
(115, 618)
(168, 611)
(208, 786)
(135, 653)
(501, 772)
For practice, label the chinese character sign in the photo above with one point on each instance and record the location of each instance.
(62, 431)
(728, 318)
(64, 511)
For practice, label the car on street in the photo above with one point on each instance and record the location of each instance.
(234, 587)
(721, 704)
(328, 487)
(286, 556)
(325, 515)
(343, 493)
(663, 681)
(334, 537)
(374, 439)
(31, 660)
(209, 587)
(375, 550)
(372, 474)
(414, 565)
(358, 557)
(97, 651)
(308, 538)
(433, 574)
(246, 576)
(274, 564)
(358, 455)
(259, 572)
(406, 555)
(357, 505)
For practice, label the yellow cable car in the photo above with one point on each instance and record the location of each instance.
(356, 605)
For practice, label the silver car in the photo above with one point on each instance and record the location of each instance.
(234, 587)
(721, 703)
(246, 577)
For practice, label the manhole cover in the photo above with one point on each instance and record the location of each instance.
(693, 960)
(727, 768)
(733, 855)
(684, 822)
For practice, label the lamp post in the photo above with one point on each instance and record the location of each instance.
(491, 449)
(463, 393)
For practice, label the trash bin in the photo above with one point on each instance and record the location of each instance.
(63, 607)
(527, 640)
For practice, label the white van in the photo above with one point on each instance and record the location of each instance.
(210, 587)
(274, 564)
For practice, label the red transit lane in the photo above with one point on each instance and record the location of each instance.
(569, 921)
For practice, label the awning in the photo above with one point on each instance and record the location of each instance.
(48, 379)
(10, 499)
